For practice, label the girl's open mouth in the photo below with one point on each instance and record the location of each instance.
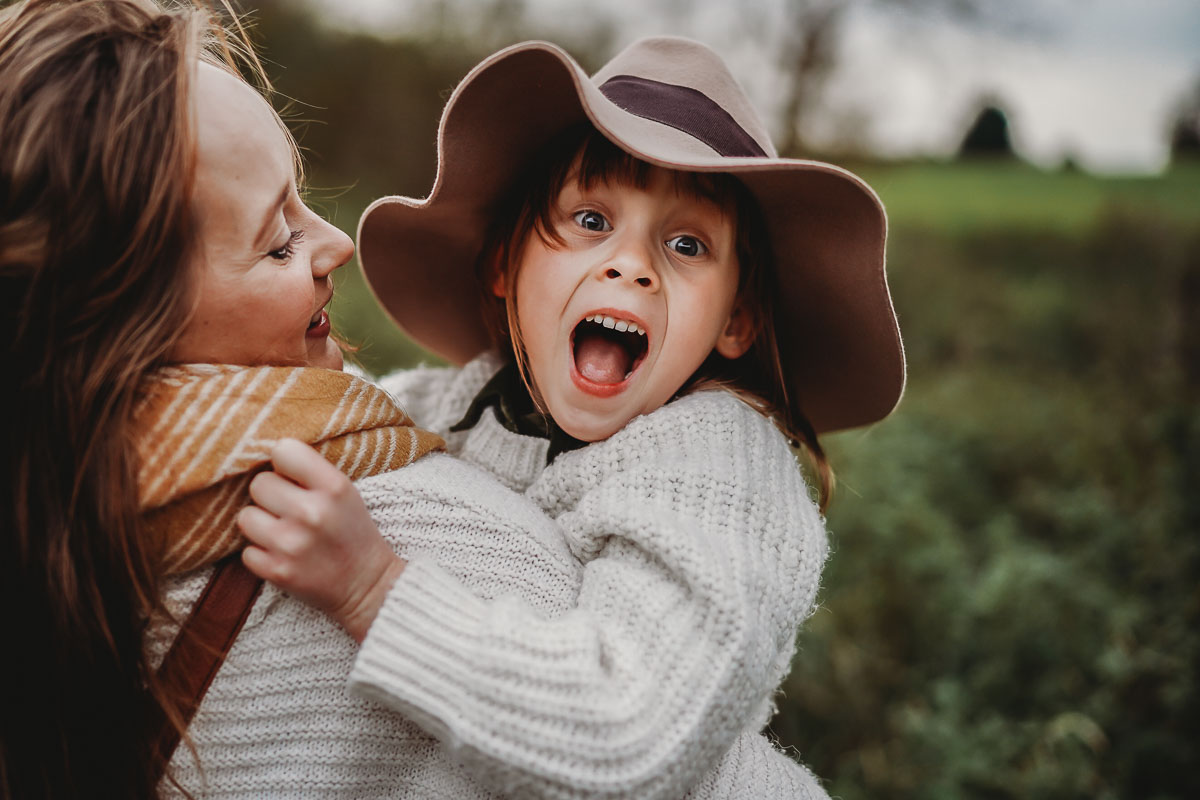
(607, 349)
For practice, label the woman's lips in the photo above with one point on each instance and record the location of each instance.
(320, 327)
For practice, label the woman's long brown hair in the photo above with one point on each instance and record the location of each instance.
(96, 161)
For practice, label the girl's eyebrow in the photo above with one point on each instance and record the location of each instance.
(264, 232)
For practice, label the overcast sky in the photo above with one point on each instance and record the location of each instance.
(1094, 80)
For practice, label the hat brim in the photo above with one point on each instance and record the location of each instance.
(835, 322)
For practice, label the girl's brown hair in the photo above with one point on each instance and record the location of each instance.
(529, 209)
(96, 171)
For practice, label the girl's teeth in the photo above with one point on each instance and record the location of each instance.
(613, 322)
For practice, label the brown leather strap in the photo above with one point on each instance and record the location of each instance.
(204, 641)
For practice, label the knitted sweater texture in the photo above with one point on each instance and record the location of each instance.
(577, 653)
(699, 553)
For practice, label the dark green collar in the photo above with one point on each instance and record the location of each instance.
(514, 408)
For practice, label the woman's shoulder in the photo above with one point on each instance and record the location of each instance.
(491, 538)
(446, 481)
(436, 397)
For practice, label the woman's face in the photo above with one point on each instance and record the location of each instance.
(262, 259)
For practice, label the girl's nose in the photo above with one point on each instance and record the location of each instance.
(632, 263)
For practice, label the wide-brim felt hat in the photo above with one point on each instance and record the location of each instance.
(673, 103)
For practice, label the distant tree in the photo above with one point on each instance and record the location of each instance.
(365, 108)
(802, 37)
(1185, 131)
(807, 55)
(809, 44)
(988, 136)
(1070, 164)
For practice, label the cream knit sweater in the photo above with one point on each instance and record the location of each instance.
(700, 553)
(517, 671)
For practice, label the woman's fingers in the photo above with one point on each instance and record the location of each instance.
(304, 465)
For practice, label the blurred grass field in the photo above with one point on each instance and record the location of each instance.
(965, 197)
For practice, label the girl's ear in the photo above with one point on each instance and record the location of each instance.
(738, 335)
(496, 280)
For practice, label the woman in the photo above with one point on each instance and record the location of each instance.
(151, 218)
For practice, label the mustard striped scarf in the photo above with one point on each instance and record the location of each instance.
(204, 430)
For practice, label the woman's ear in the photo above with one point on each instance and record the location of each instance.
(738, 335)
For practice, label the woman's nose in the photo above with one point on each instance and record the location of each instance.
(334, 248)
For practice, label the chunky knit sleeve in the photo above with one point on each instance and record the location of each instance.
(701, 553)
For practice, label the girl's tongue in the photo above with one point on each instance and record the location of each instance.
(599, 358)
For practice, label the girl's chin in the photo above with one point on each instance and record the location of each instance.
(588, 428)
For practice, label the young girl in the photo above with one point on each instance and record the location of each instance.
(668, 305)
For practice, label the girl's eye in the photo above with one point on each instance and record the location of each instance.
(592, 221)
(687, 246)
(289, 247)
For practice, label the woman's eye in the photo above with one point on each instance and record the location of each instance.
(687, 246)
(592, 221)
(289, 247)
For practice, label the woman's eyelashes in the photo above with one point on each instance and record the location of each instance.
(288, 249)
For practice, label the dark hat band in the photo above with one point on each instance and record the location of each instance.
(684, 109)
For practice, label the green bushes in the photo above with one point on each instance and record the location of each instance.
(1012, 607)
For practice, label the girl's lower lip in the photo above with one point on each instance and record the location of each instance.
(321, 329)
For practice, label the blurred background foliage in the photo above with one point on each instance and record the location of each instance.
(1012, 607)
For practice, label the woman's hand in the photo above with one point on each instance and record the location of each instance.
(311, 535)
